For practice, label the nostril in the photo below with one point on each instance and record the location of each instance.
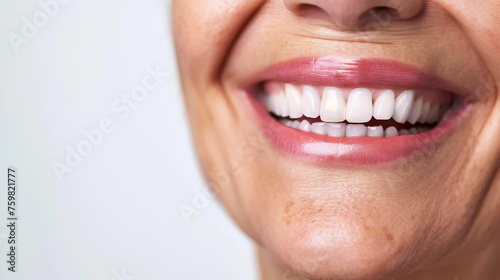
(381, 15)
(385, 9)
(382, 10)
(356, 14)
(310, 10)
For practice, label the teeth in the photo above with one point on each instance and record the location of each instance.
(292, 124)
(332, 105)
(359, 106)
(404, 132)
(351, 130)
(283, 105)
(272, 103)
(403, 107)
(433, 114)
(415, 113)
(305, 126)
(375, 131)
(294, 99)
(391, 132)
(335, 129)
(310, 102)
(383, 108)
(426, 107)
(349, 119)
(319, 128)
(355, 130)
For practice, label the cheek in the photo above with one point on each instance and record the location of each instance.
(205, 31)
(479, 20)
(187, 29)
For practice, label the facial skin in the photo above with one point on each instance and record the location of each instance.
(430, 215)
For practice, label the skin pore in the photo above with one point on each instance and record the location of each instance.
(430, 215)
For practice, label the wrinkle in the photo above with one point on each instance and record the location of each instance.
(337, 39)
(224, 62)
(380, 36)
(460, 27)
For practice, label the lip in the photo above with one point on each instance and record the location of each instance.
(366, 72)
(328, 71)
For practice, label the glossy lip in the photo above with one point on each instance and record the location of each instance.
(365, 72)
(355, 73)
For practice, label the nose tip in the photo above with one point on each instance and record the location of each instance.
(351, 14)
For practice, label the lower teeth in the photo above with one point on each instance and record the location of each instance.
(351, 130)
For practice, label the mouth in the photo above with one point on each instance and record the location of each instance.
(366, 111)
(358, 112)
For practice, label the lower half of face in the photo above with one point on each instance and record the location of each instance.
(349, 141)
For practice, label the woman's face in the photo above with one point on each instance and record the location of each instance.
(295, 106)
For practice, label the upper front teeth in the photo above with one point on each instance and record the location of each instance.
(359, 106)
(330, 105)
(294, 97)
(384, 106)
(310, 102)
(333, 106)
(404, 106)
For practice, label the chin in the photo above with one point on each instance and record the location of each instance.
(342, 249)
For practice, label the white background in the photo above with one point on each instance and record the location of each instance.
(116, 215)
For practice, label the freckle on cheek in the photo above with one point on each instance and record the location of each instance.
(388, 234)
(305, 211)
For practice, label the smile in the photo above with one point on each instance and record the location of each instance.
(360, 112)
(367, 111)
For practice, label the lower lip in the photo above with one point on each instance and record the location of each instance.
(354, 151)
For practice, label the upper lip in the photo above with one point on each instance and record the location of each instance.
(362, 72)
